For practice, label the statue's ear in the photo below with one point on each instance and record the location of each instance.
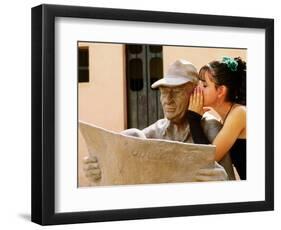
(189, 88)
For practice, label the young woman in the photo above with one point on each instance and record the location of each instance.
(222, 87)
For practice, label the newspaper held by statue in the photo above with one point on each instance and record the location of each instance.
(126, 160)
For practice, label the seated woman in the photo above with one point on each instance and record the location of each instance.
(222, 87)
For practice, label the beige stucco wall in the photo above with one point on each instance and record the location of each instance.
(102, 101)
(198, 56)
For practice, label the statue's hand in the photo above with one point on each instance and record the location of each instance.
(133, 133)
(91, 168)
(216, 173)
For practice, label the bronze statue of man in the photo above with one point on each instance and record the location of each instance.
(175, 89)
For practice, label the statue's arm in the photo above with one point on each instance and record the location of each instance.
(152, 131)
(196, 129)
(134, 133)
(211, 127)
(204, 130)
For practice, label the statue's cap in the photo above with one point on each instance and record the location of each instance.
(179, 73)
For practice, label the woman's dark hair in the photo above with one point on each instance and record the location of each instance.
(223, 74)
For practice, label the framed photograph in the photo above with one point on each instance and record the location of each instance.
(115, 130)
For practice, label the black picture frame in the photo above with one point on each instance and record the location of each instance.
(43, 114)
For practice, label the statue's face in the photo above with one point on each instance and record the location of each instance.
(175, 101)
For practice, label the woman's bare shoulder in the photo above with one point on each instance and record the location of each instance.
(235, 123)
(237, 117)
(239, 110)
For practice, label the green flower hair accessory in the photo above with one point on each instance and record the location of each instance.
(231, 63)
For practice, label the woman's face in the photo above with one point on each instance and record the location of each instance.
(209, 90)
